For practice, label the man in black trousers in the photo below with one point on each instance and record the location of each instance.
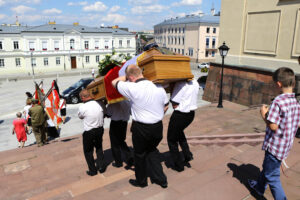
(119, 114)
(92, 115)
(148, 104)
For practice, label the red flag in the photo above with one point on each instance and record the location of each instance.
(112, 95)
(52, 105)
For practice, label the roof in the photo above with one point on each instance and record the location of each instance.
(60, 28)
(192, 19)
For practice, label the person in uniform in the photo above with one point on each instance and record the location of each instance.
(92, 115)
(38, 118)
(148, 104)
(184, 101)
(119, 114)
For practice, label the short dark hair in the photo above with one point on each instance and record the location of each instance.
(285, 76)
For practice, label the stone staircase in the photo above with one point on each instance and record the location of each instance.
(219, 170)
(57, 171)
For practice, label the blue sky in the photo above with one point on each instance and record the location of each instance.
(134, 14)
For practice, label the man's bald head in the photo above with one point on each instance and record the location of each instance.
(133, 73)
(85, 95)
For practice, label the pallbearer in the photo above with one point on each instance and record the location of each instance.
(184, 101)
(148, 105)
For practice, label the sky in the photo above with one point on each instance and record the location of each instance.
(137, 15)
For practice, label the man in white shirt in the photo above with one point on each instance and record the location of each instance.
(92, 115)
(184, 101)
(148, 104)
(119, 114)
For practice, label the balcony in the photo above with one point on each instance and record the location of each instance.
(44, 49)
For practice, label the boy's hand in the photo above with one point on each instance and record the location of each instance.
(263, 110)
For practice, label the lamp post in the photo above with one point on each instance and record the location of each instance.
(31, 54)
(223, 52)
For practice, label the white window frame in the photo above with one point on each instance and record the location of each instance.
(44, 45)
(33, 62)
(120, 43)
(18, 62)
(97, 58)
(46, 61)
(86, 44)
(31, 45)
(72, 44)
(56, 45)
(97, 44)
(128, 43)
(87, 59)
(1, 47)
(57, 60)
(2, 63)
(16, 45)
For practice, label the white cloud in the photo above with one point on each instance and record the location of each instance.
(2, 16)
(148, 9)
(97, 6)
(2, 2)
(52, 11)
(114, 18)
(29, 18)
(114, 9)
(141, 2)
(22, 9)
(188, 3)
(81, 3)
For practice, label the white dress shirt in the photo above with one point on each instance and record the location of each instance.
(185, 93)
(119, 111)
(92, 114)
(147, 100)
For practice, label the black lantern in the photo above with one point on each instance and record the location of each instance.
(223, 52)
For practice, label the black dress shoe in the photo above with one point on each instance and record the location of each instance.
(161, 184)
(130, 162)
(91, 173)
(117, 165)
(189, 158)
(137, 184)
(102, 169)
(178, 168)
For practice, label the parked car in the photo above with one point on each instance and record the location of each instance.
(71, 94)
(203, 67)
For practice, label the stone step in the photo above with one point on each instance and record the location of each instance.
(82, 186)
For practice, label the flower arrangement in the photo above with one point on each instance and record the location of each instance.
(110, 61)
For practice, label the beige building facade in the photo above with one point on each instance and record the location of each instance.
(195, 36)
(261, 33)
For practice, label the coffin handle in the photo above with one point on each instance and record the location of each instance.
(95, 91)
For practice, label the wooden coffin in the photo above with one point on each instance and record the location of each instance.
(161, 68)
(97, 89)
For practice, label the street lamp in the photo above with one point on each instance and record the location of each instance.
(223, 52)
(31, 54)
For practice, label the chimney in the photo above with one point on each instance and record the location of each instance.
(52, 23)
(75, 23)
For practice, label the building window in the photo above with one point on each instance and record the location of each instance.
(175, 50)
(56, 45)
(87, 59)
(57, 60)
(178, 40)
(175, 30)
(31, 46)
(120, 43)
(183, 40)
(106, 44)
(179, 30)
(112, 43)
(207, 30)
(2, 63)
(182, 51)
(33, 62)
(182, 30)
(213, 43)
(45, 61)
(0, 45)
(178, 50)
(214, 30)
(171, 40)
(207, 42)
(175, 40)
(72, 44)
(191, 53)
(206, 53)
(97, 44)
(18, 62)
(97, 59)
(213, 54)
(44, 45)
(16, 45)
(128, 43)
(172, 30)
(86, 44)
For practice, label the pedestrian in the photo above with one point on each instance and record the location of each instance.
(92, 115)
(62, 108)
(184, 101)
(282, 120)
(26, 114)
(148, 103)
(119, 114)
(93, 73)
(38, 119)
(19, 127)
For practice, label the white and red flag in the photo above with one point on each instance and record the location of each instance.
(52, 104)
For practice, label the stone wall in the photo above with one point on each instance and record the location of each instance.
(241, 84)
